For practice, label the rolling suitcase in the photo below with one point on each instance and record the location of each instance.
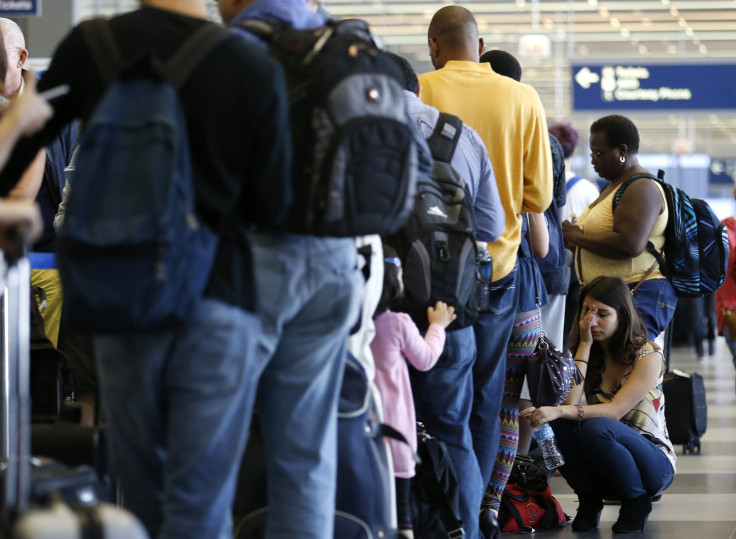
(686, 410)
(40, 498)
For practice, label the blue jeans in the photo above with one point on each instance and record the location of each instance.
(655, 301)
(309, 298)
(611, 460)
(443, 397)
(178, 409)
(492, 332)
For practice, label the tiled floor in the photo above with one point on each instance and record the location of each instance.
(701, 502)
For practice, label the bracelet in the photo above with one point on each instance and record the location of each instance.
(581, 415)
(583, 360)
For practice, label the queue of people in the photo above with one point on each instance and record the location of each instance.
(272, 331)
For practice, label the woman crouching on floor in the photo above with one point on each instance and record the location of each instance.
(617, 445)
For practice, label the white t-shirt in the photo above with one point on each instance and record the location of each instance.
(578, 197)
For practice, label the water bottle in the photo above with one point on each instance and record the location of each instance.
(485, 270)
(545, 437)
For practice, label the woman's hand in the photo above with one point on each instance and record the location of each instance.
(539, 416)
(586, 319)
(441, 314)
(571, 232)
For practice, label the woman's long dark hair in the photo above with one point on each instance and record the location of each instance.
(630, 335)
(393, 290)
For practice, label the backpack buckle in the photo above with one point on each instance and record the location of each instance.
(453, 534)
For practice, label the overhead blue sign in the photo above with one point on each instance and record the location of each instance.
(627, 86)
(19, 8)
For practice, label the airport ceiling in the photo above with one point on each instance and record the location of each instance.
(579, 31)
(633, 32)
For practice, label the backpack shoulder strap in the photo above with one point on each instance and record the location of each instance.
(102, 47)
(191, 53)
(620, 191)
(264, 29)
(443, 140)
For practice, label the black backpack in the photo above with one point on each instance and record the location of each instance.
(435, 490)
(695, 244)
(354, 156)
(437, 246)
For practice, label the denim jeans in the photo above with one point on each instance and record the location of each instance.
(443, 397)
(309, 298)
(178, 410)
(492, 332)
(655, 301)
(611, 460)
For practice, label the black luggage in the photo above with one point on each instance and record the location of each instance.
(435, 490)
(685, 409)
(40, 498)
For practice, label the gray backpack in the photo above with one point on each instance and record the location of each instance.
(354, 156)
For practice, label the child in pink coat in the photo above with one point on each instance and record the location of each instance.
(397, 341)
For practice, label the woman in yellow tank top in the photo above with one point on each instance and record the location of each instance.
(613, 244)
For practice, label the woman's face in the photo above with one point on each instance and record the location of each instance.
(605, 160)
(605, 319)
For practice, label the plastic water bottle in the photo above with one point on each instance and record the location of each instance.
(485, 269)
(545, 437)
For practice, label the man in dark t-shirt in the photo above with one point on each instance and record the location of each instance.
(178, 402)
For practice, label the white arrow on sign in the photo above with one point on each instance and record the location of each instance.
(585, 77)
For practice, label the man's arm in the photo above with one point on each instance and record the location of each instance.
(30, 182)
(270, 157)
(25, 116)
(490, 217)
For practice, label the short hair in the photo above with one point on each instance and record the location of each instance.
(567, 135)
(393, 289)
(503, 63)
(411, 83)
(454, 26)
(618, 130)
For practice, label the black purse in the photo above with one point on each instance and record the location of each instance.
(550, 372)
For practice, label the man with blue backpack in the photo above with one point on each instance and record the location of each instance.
(172, 169)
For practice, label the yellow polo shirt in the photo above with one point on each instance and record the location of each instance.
(509, 117)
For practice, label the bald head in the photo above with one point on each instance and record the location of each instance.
(12, 34)
(453, 35)
(15, 55)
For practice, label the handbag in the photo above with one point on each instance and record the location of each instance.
(527, 502)
(550, 372)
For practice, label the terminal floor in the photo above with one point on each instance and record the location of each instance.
(701, 502)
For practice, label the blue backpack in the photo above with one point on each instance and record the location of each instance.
(133, 255)
(695, 245)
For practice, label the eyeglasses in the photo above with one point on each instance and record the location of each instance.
(598, 153)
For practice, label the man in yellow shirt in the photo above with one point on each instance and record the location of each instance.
(509, 117)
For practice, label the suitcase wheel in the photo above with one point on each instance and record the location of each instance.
(692, 447)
